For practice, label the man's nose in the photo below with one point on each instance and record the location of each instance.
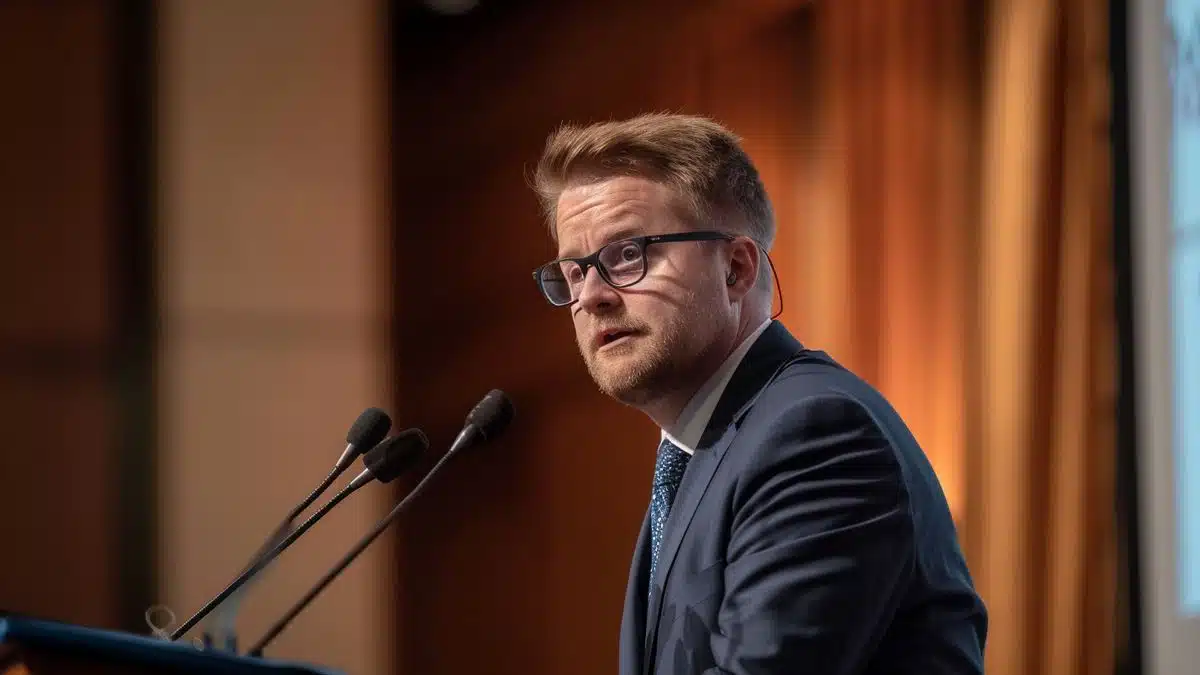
(595, 295)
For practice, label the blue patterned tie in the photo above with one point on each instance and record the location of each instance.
(668, 471)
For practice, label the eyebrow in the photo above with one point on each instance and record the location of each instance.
(623, 232)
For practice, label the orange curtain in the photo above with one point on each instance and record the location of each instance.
(1046, 545)
(955, 253)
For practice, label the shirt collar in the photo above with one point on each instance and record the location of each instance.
(692, 421)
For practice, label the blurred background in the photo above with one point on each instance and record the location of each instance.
(228, 226)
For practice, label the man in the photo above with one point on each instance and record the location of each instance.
(794, 525)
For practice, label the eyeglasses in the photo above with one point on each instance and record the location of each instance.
(621, 264)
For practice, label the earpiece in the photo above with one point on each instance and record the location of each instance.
(731, 279)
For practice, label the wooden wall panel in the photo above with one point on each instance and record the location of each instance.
(56, 306)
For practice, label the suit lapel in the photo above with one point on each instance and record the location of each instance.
(633, 624)
(695, 482)
(773, 349)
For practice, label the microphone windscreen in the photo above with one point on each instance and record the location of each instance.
(370, 428)
(492, 415)
(396, 455)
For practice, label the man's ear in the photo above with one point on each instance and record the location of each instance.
(744, 261)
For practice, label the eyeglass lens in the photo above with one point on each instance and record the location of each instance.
(622, 263)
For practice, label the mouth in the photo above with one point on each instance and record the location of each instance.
(612, 336)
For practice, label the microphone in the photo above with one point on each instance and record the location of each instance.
(487, 420)
(367, 431)
(384, 463)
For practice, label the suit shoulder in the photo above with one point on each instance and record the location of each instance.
(813, 379)
(809, 425)
(814, 395)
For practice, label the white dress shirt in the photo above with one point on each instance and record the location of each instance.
(689, 427)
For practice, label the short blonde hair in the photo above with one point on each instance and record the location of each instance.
(702, 160)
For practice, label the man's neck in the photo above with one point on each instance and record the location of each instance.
(666, 410)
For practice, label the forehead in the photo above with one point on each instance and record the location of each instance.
(594, 213)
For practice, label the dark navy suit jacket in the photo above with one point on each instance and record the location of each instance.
(809, 536)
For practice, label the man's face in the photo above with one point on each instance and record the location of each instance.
(646, 341)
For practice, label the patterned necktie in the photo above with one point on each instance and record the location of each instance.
(668, 471)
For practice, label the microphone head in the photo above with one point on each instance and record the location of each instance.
(369, 429)
(491, 415)
(396, 455)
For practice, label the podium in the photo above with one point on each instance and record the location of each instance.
(30, 646)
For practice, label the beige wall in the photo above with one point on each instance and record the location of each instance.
(273, 259)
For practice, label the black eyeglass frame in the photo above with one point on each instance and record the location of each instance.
(643, 243)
